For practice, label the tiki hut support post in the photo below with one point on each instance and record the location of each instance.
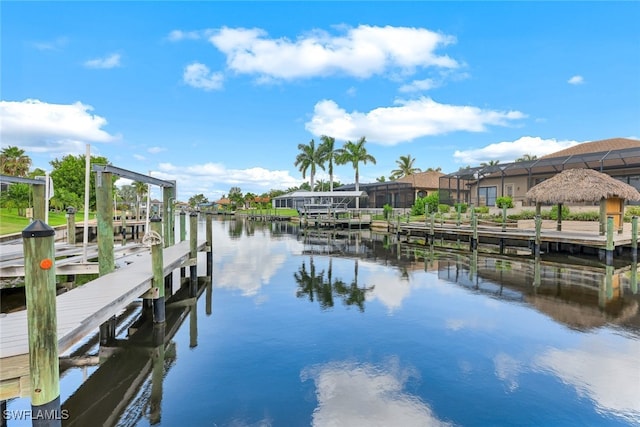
(559, 224)
(538, 208)
(603, 216)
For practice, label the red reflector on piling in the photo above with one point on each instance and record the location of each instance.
(46, 264)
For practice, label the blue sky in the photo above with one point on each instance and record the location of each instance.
(220, 94)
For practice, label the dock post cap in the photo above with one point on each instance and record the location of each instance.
(182, 212)
(155, 218)
(38, 228)
(193, 213)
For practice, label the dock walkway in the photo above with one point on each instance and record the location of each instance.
(82, 310)
(514, 237)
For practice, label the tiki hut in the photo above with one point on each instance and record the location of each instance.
(585, 185)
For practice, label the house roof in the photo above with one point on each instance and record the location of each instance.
(601, 146)
(429, 179)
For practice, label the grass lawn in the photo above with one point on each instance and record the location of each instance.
(11, 222)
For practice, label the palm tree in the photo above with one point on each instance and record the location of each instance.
(526, 158)
(14, 162)
(381, 178)
(405, 167)
(490, 163)
(327, 147)
(141, 190)
(438, 169)
(354, 153)
(309, 157)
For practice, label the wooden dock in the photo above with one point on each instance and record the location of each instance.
(550, 240)
(81, 311)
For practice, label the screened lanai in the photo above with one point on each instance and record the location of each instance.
(482, 185)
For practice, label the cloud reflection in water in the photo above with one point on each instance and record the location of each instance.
(354, 394)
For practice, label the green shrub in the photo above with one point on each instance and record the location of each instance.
(553, 214)
(463, 207)
(504, 202)
(481, 209)
(443, 209)
(585, 216)
(432, 201)
(387, 210)
(418, 207)
(524, 214)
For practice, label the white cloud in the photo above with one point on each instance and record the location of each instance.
(109, 61)
(576, 80)
(361, 52)
(408, 120)
(366, 395)
(139, 157)
(55, 44)
(509, 151)
(215, 178)
(419, 85)
(40, 127)
(155, 150)
(199, 76)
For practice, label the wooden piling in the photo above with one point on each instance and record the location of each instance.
(538, 239)
(183, 236)
(634, 238)
(193, 254)
(38, 201)
(610, 245)
(40, 288)
(157, 266)
(634, 277)
(104, 203)
(123, 224)
(474, 227)
(504, 218)
(209, 231)
(432, 227)
(71, 226)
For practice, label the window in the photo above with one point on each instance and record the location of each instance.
(508, 190)
(487, 196)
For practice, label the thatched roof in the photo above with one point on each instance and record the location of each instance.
(581, 185)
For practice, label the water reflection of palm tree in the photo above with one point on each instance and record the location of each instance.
(308, 282)
(353, 294)
(314, 286)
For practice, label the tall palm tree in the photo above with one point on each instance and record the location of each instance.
(309, 157)
(355, 153)
(14, 162)
(405, 167)
(328, 155)
(438, 169)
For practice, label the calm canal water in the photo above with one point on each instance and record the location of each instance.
(357, 331)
